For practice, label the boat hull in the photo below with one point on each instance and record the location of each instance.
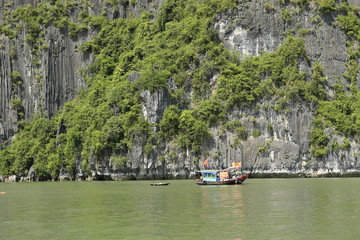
(238, 180)
(159, 184)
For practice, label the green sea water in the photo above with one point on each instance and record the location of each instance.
(258, 209)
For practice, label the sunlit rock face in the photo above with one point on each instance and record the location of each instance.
(354, 2)
(252, 29)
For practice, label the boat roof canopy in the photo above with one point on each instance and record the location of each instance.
(216, 171)
(211, 171)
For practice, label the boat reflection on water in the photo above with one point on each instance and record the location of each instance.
(223, 202)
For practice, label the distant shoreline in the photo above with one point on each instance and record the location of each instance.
(15, 178)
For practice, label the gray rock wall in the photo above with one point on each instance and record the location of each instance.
(8, 120)
(252, 29)
(46, 87)
(354, 2)
(285, 149)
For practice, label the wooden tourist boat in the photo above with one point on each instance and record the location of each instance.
(232, 175)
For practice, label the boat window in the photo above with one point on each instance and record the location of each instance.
(209, 175)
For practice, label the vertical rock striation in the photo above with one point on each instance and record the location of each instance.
(53, 79)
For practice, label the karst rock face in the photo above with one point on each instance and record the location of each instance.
(53, 76)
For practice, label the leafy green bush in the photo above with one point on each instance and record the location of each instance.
(242, 84)
(211, 111)
(318, 139)
(6, 161)
(346, 144)
(325, 6)
(15, 80)
(192, 132)
(169, 124)
(255, 133)
(269, 7)
(238, 128)
(342, 112)
(303, 32)
(286, 15)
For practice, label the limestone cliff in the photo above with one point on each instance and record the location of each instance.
(52, 78)
(277, 143)
(254, 28)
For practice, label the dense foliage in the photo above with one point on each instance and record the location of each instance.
(176, 52)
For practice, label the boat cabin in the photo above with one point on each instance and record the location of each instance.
(214, 175)
(209, 176)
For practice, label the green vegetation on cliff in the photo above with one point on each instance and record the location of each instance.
(177, 53)
(342, 112)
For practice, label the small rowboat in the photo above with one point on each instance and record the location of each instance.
(159, 184)
(2, 192)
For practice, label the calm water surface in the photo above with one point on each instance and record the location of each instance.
(258, 209)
